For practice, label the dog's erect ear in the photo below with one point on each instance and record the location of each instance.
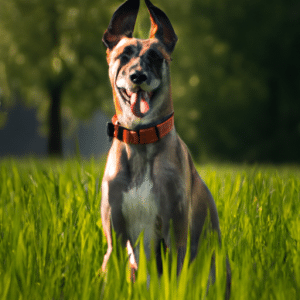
(122, 23)
(161, 27)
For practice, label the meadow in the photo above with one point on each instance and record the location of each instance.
(52, 243)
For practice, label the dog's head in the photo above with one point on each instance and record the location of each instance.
(139, 69)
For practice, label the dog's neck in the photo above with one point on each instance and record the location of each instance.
(146, 134)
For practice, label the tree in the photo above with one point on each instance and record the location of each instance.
(52, 54)
(235, 70)
(236, 74)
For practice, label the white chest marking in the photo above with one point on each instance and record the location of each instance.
(140, 211)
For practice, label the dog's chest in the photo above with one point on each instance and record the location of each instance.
(140, 208)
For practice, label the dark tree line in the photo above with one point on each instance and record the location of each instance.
(235, 70)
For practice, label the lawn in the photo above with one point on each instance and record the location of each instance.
(52, 244)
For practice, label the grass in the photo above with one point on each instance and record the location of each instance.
(52, 244)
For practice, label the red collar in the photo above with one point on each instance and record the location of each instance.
(145, 135)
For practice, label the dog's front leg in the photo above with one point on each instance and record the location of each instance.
(105, 216)
(114, 184)
(111, 211)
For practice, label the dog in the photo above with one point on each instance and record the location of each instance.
(150, 180)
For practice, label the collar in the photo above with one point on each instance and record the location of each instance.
(145, 135)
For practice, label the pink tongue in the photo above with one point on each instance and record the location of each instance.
(138, 103)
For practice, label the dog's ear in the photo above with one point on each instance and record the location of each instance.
(161, 27)
(121, 24)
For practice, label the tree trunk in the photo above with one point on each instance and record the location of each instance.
(55, 128)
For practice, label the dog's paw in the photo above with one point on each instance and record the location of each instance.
(133, 269)
(100, 273)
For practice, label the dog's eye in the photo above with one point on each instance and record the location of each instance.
(155, 60)
(154, 56)
(124, 59)
(126, 55)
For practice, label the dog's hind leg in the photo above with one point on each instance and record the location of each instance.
(203, 206)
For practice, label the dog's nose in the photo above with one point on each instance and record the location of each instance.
(138, 77)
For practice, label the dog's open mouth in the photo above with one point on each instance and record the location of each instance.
(139, 101)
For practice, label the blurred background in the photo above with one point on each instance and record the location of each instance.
(235, 77)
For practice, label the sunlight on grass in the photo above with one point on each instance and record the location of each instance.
(52, 244)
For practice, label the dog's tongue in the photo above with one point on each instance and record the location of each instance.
(139, 103)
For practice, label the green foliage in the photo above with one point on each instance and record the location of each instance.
(49, 236)
(52, 244)
(56, 45)
(235, 70)
(235, 78)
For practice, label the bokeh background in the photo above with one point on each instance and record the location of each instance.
(235, 77)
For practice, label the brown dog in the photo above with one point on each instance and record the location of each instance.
(150, 178)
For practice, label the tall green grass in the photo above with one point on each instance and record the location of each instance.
(52, 244)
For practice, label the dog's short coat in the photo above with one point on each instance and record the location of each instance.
(150, 179)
